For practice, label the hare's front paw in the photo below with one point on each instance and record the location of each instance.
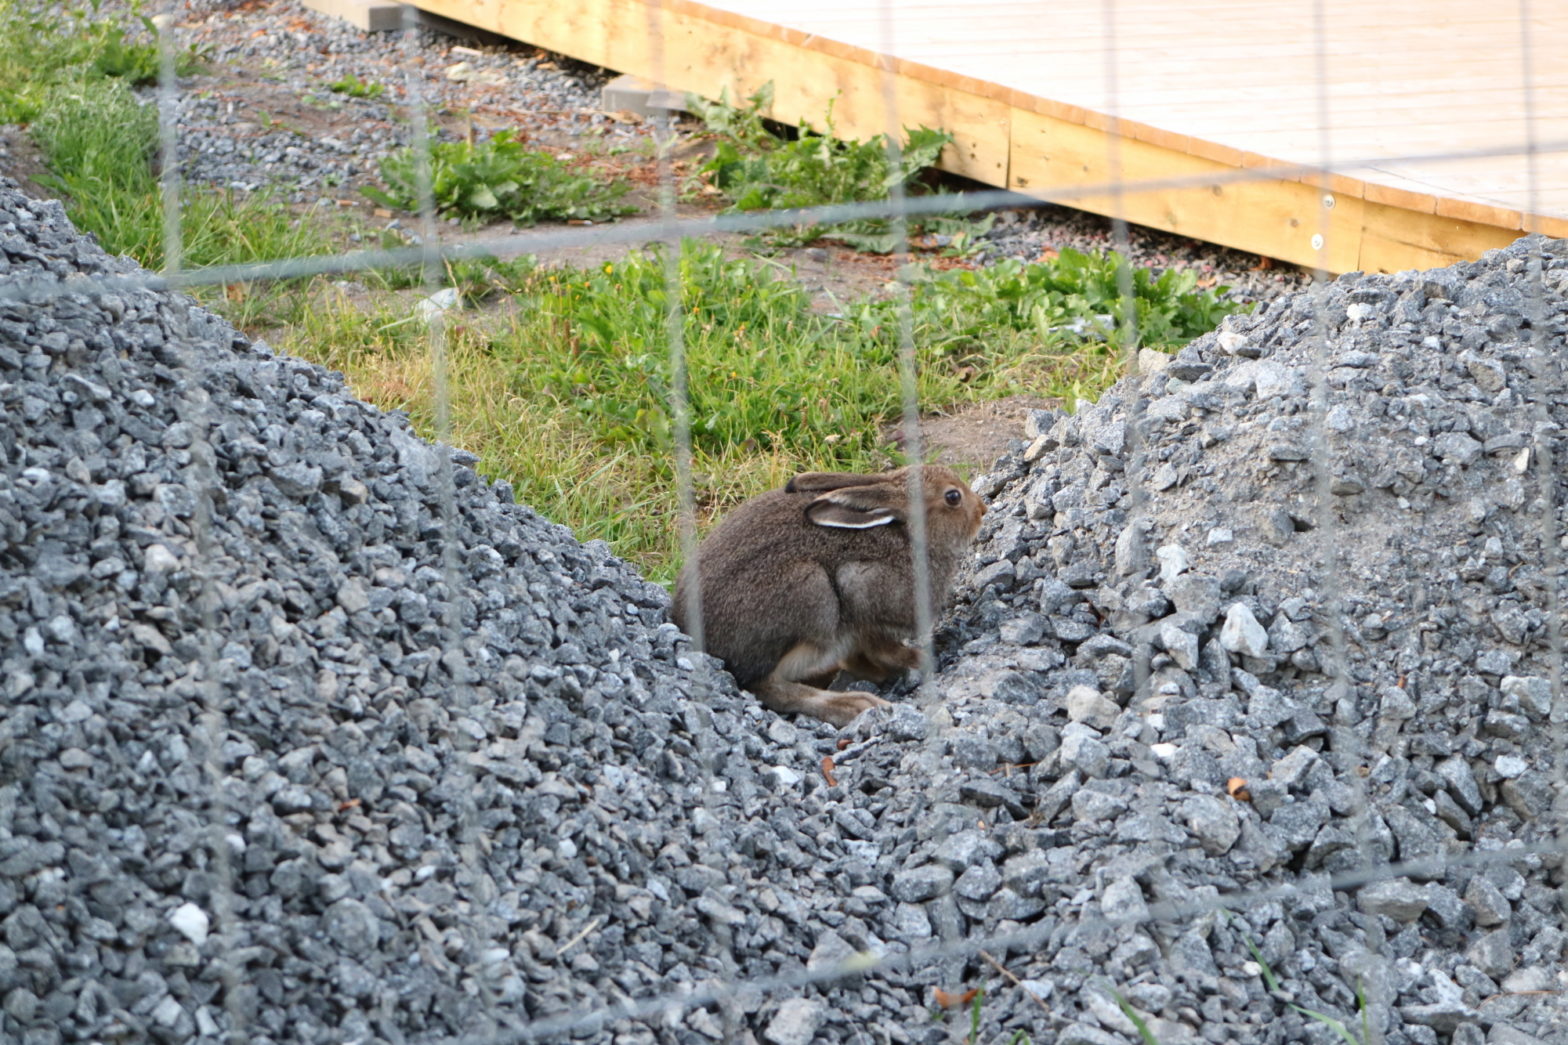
(840, 709)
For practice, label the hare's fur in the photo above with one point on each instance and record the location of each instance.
(800, 583)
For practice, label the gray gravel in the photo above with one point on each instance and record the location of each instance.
(1175, 602)
(310, 734)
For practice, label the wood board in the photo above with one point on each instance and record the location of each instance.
(1376, 137)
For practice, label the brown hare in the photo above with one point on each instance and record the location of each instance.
(799, 583)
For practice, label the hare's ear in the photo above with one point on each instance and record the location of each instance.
(859, 507)
(817, 482)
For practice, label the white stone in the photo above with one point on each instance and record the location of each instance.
(784, 776)
(1088, 705)
(159, 559)
(1173, 562)
(1231, 342)
(168, 1012)
(1510, 767)
(1152, 361)
(438, 303)
(191, 922)
(1242, 633)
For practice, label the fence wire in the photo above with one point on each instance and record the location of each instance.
(430, 252)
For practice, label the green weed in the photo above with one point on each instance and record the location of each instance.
(1273, 984)
(1076, 297)
(756, 169)
(354, 87)
(499, 179)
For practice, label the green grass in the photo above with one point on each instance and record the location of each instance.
(756, 169)
(499, 179)
(42, 47)
(562, 384)
(1076, 297)
(354, 87)
(566, 393)
(99, 143)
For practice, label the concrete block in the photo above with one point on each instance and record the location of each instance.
(372, 16)
(628, 93)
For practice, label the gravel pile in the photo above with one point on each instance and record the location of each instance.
(309, 734)
(1220, 681)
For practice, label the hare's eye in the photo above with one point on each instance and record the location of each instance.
(953, 497)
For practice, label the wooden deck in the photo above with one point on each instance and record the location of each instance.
(1051, 98)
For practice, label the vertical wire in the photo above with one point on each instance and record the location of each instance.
(704, 683)
(908, 366)
(1127, 330)
(476, 930)
(211, 726)
(169, 147)
(928, 698)
(1342, 683)
(1550, 366)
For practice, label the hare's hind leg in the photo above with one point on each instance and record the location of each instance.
(839, 709)
(784, 691)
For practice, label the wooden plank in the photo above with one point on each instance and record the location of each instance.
(1059, 160)
(1202, 89)
(1394, 239)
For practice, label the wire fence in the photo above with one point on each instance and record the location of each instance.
(483, 932)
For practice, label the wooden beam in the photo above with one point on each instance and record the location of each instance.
(1058, 159)
(1022, 98)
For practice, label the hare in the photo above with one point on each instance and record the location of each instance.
(799, 583)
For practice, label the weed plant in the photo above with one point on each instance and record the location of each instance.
(354, 87)
(499, 179)
(756, 169)
(1075, 299)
